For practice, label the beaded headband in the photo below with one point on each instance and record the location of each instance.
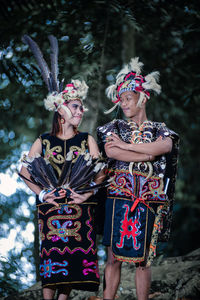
(130, 79)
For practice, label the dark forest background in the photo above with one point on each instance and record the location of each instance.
(95, 39)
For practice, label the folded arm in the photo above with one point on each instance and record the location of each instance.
(159, 147)
(126, 155)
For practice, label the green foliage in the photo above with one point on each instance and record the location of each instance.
(95, 39)
(13, 268)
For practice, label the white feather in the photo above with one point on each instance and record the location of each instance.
(97, 167)
(111, 109)
(87, 156)
(69, 155)
(111, 91)
(51, 99)
(135, 65)
(151, 82)
(125, 70)
(81, 87)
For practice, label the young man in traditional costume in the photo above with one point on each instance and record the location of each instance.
(143, 157)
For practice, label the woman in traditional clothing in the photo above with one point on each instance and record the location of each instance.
(68, 253)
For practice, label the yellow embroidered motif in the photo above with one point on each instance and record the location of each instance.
(155, 187)
(53, 155)
(63, 232)
(65, 229)
(78, 149)
(41, 226)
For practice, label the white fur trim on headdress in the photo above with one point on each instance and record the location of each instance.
(53, 101)
(151, 82)
(134, 65)
(111, 92)
(76, 90)
(81, 87)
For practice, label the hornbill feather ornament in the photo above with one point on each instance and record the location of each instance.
(77, 174)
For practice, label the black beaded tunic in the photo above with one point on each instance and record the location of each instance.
(68, 253)
(139, 206)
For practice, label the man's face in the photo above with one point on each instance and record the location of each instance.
(128, 104)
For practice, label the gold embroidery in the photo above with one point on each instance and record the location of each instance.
(140, 134)
(154, 236)
(69, 206)
(156, 187)
(120, 183)
(78, 149)
(53, 155)
(64, 232)
(41, 226)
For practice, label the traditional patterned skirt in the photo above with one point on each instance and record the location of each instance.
(133, 216)
(68, 253)
(128, 233)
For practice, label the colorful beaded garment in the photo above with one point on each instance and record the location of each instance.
(68, 253)
(141, 209)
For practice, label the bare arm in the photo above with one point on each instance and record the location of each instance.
(159, 147)
(126, 155)
(94, 151)
(35, 149)
(93, 147)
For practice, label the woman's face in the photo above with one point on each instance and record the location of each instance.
(76, 108)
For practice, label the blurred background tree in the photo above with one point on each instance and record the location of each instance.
(95, 39)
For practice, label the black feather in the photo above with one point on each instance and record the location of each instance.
(61, 84)
(93, 187)
(54, 60)
(66, 170)
(84, 179)
(38, 177)
(48, 171)
(76, 175)
(81, 174)
(78, 165)
(44, 69)
(36, 171)
(50, 82)
(41, 172)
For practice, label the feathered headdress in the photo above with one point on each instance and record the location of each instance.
(57, 97)
(130, 79)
